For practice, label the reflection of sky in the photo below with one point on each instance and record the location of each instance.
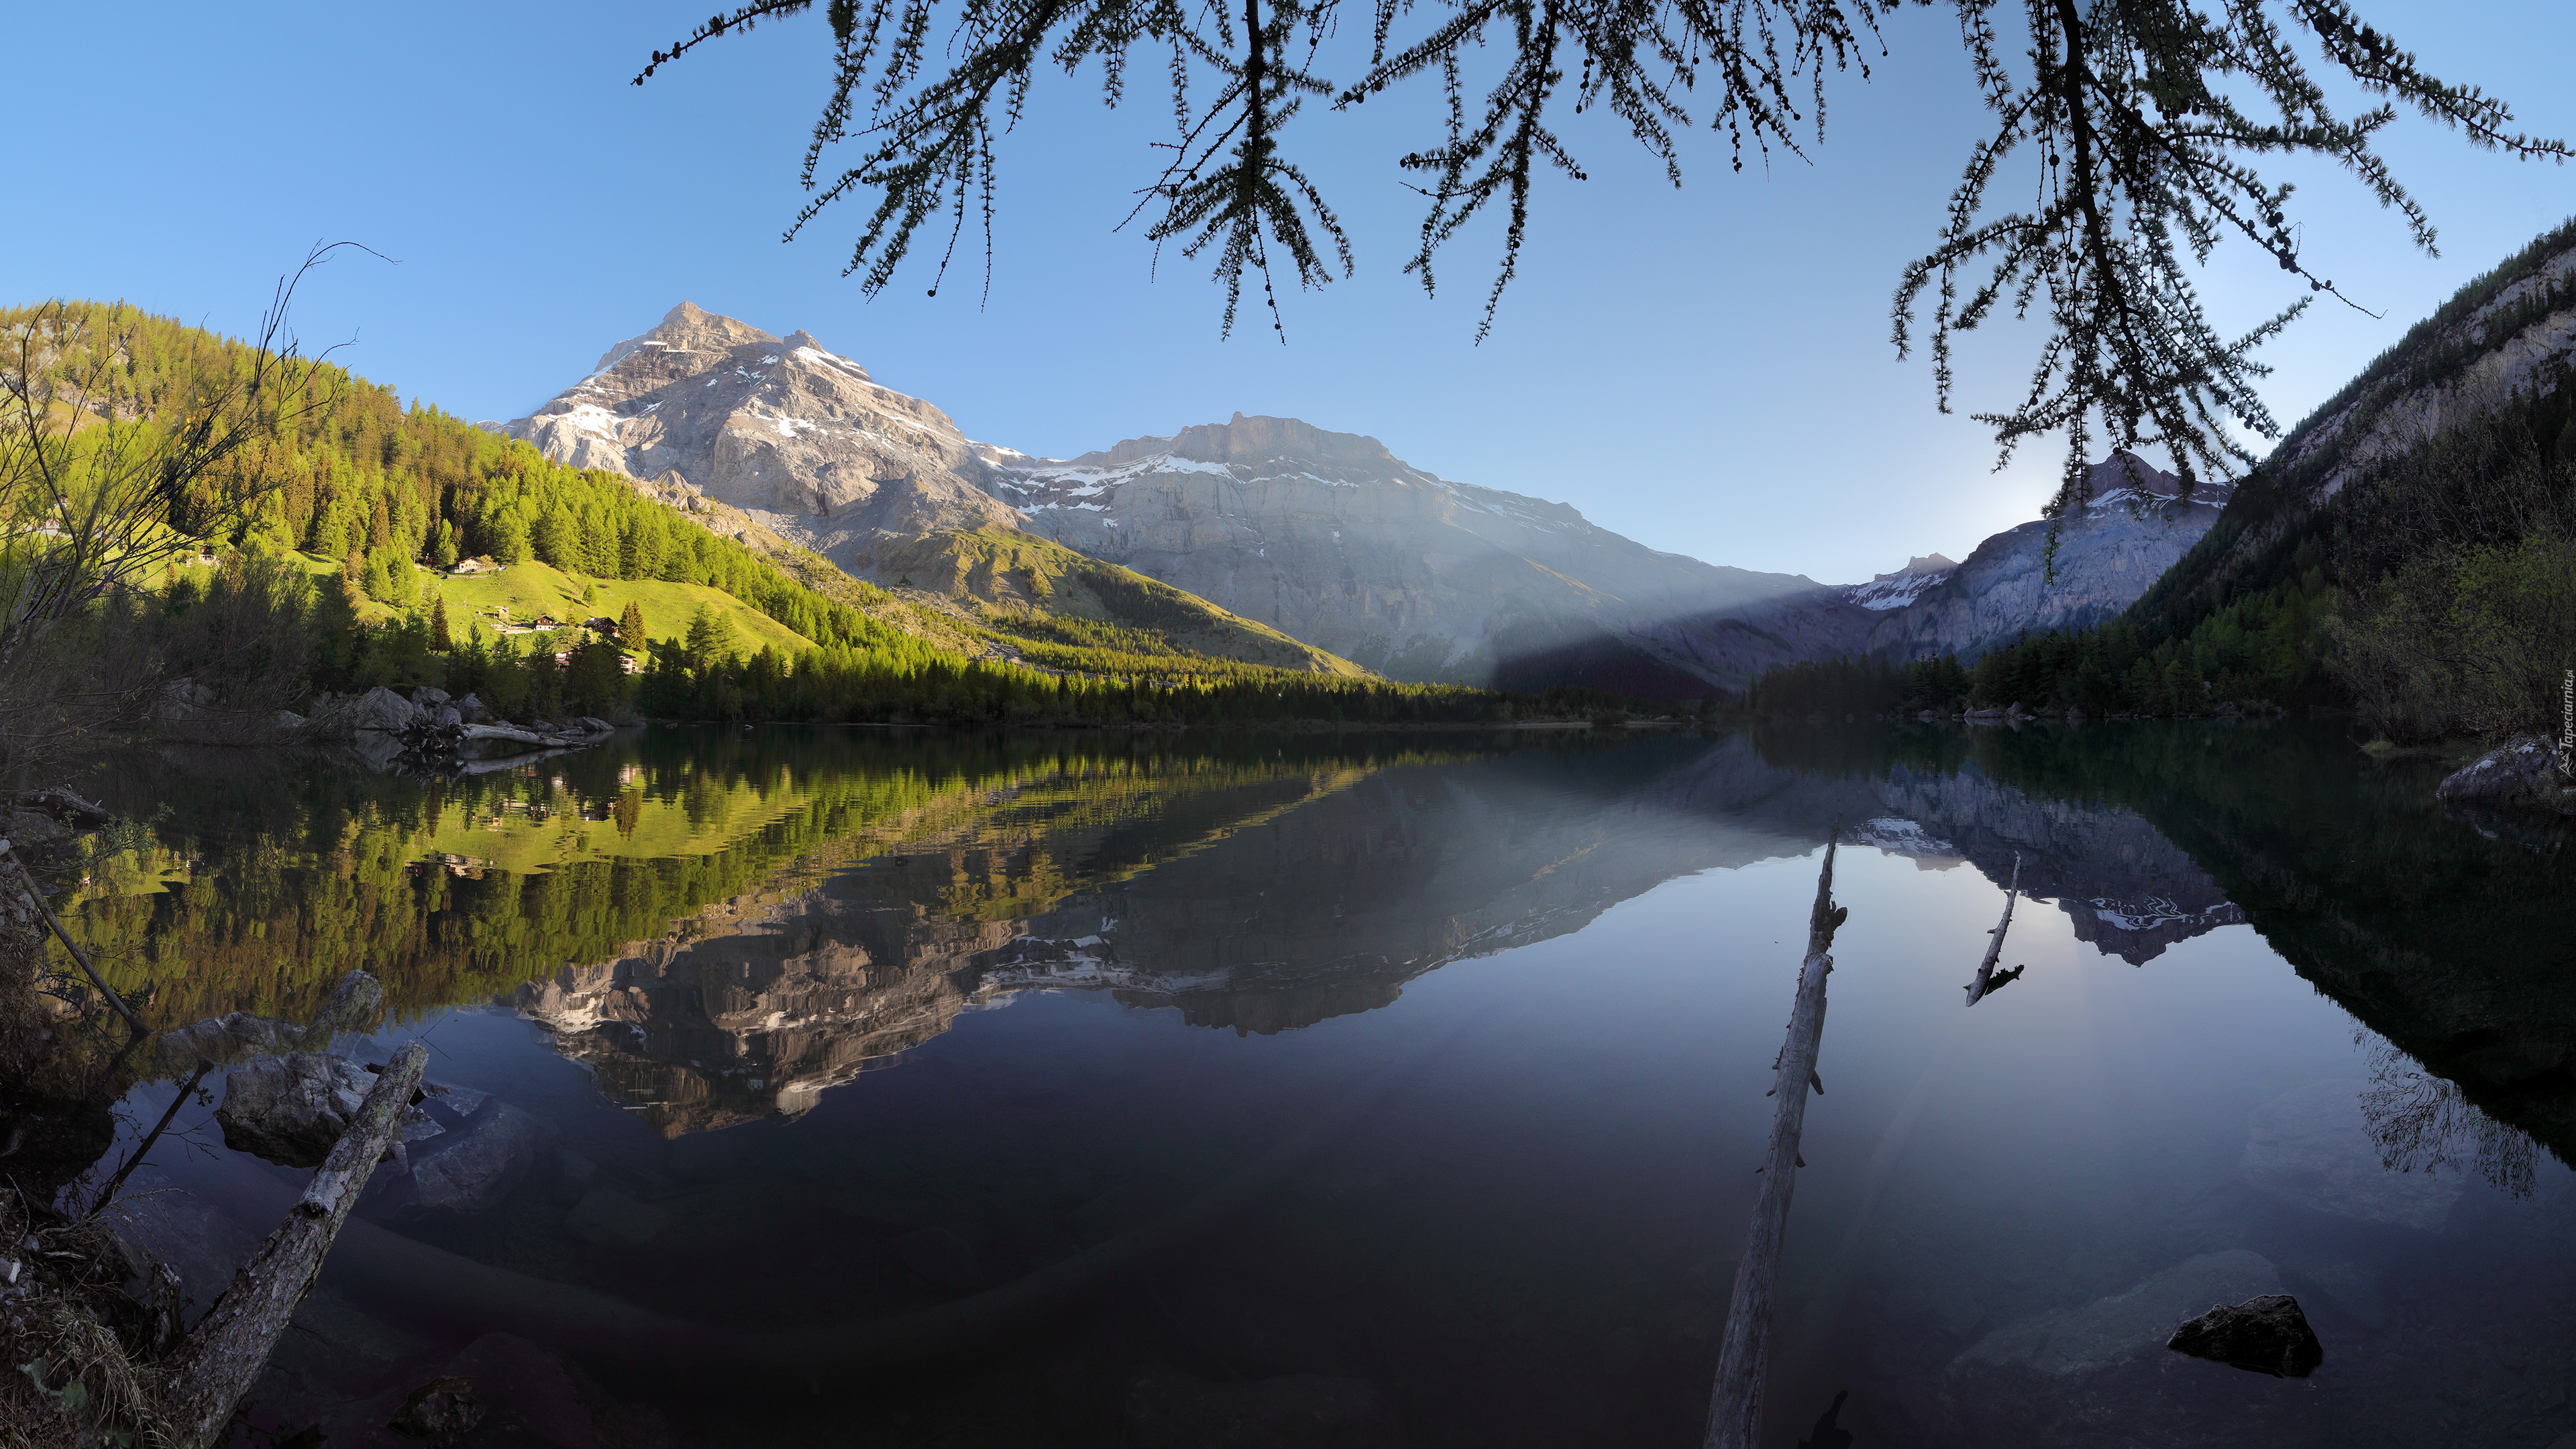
(1569, 1136)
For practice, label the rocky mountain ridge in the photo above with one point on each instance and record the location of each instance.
(2137, 526)
(1326, 538)
(1331, 538)
(797, 437)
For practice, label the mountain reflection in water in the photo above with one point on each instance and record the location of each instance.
(721, 928)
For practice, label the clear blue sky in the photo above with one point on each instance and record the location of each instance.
(1706, 370)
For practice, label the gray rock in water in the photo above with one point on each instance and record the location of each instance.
(2312, 1147)
(291, 1109)
(449, 717)
(2264, 1335)
(473, 711)
(428, 698)
(2522, 772)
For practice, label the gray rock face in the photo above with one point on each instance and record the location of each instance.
(291, 1109)
(2264, 1335)
(798, 437)
(2135, 529)
(1330, 538)
(2312, 1147)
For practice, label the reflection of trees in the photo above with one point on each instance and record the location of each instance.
(2420, 1122)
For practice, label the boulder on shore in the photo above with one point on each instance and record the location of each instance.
(2522, 772)
(381, 709)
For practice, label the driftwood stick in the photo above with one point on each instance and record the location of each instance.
(224, 1354)
(1995, 947)
(132, 1021)
(1744, 1360)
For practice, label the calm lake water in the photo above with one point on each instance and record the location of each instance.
(856, 1087)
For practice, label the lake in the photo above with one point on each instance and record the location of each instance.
(920, 1088)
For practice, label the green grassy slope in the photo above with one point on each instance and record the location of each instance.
(1052, 606)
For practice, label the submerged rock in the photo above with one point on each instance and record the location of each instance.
(291, 1109)
(463, 1153)
(2312, 1148)
(2265, 1335)
(439, 1408)
(2125, 1326)
(2094, 1374)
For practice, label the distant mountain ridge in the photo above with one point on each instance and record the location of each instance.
(1325, 537)
(1333, 539)
(1288, 529)
(2137, 526)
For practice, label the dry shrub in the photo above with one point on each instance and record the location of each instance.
(70, 1321)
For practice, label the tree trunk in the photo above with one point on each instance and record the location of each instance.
(1995, 948)
(1735, 1406)
(223, 1356)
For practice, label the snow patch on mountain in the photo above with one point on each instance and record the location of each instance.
(1902, 587)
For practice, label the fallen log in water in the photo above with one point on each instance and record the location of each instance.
(224, 1353)
(1986, 980)
(1743, 1361)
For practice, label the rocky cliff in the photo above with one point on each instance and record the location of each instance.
(1333, 539)
(2137, 526)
